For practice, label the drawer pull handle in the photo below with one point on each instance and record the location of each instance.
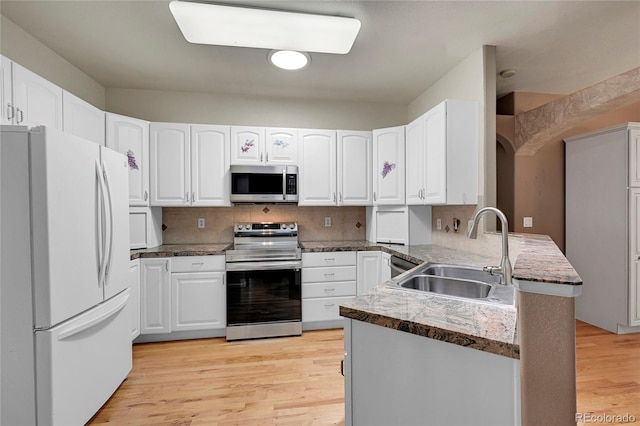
(197, 264)
(330, 259)
(329, 274)
(329, 290)
(330, 305)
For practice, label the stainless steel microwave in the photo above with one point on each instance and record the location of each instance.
(264, 184)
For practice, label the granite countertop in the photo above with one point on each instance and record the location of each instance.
(170, 250)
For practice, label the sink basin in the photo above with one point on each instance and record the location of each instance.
(448, 286)
(460, 271)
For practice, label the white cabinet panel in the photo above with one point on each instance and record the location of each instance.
(36, 100)
(155, 294)
(337, 273)
(328, 289)
(634, 157)
(317, 167)
(210, 165)
(197, 264)
(385, 267)
(435, 154)
(198, 301)
(324, 309)
(634, 261)
(414, 161)
(134, 301)
(7, 110)
(354, 178)
(170, 152)
(130, 136)
(389, 166)
(345, 258)
(247, 145)
(368, 271)
(281, 146)
(82, 119)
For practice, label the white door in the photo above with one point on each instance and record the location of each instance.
(134, 302)
(82, 119)
(198, 301)
(388, 166)
(368, 275)
(81, 362)
(38, 102)
(317, 174)
(170, 154)
(115, 168)
(66, 249)
(7, 110)
(247, 145)
(210, 165)
(281, 146)
(435, 143)
(155, 296)
(354, 177)
(634, 261)
(130, 136)
(414, 162)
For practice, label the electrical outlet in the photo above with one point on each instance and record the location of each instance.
(201, 223)
(439, 224)
(527, 222)
(327, 221)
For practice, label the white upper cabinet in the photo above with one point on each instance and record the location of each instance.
(7, 111)
(189, 165)
(247, 145)
(317, 160)
(281, 146)
(36, 101)
(170, 153)
(388, 166)
(442, 155)
(130, 136)
(354, 176)
(634, 157)
(210, 165)
(82, 119)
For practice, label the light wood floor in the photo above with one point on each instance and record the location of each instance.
(297, 381)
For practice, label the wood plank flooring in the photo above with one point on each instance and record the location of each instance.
(297, 381)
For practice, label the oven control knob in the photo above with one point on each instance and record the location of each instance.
(239, 227)
(283, 226)
(292, 226)
(247, 226)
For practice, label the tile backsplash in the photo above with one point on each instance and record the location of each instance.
(347, 223)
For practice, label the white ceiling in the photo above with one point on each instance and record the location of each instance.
(403, 46)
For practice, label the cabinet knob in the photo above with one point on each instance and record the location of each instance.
(146, 195)
(20, 115)
(261, 157)
(11, 112)
(186, 197)
(267, 158)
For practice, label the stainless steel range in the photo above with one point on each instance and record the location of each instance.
(264, 281)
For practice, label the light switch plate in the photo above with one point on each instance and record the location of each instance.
(527, 222)
(439, 224)
(201, 223)
(327, 221)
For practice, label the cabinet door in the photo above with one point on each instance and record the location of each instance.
(415, 162)
(634, 158)
(317, 167)
(634, 257)
(247, 145)
(354, 177)
(435, 143)
(281, 146)
(388, 166)
(7, 111)
(38, 102)
(385, 267)
(155, 296)
(198, 301)
(170, 179)
(210, 165)
(134, 301)
(82, 119)
(368, 275)
(130, 137)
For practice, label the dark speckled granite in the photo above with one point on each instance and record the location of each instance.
(170, 250)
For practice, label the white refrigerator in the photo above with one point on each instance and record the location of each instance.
(64, 264)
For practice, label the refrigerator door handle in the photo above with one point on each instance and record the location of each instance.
(109, 225)
(94, 321)
(103, 212)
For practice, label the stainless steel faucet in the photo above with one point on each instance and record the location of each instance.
(504, 270)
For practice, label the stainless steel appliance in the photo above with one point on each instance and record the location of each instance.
(264, 281)
(264, 184)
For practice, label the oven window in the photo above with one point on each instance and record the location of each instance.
(263, 296)
(256, 183)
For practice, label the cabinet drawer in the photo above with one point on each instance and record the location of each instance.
(324, 309)
(338, 273)
(338, 288)
(197, 263)
(344, 258)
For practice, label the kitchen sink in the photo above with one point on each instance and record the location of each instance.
(460, 271)
(448, 286)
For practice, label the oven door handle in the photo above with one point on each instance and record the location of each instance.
(263, 266)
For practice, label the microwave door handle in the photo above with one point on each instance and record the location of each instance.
(284, 183)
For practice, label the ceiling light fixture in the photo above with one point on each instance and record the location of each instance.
(266, 29)
(289, 59)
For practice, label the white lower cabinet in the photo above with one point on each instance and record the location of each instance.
(198, 293)
(134, 301)
(385, 266)
(328, 280)
(368, 271)
(155, 296)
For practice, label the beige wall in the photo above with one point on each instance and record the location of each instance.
(21, 47)
(209, 108)
(347, 223)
